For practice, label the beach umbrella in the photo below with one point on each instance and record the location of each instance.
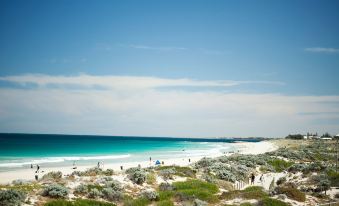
(157, 162)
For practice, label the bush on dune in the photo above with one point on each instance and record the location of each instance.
(292, 193)
(55, 191)
(11, 197)
(165, 203)
(52, 176)
(192, 189)
(112, 195)
(78, 202)
(280, 165)
(272, 202)
(136, 202)
(254, 192)
(137, 175)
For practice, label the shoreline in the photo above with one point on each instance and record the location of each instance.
(7, 177)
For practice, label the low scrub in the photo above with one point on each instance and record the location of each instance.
(192, 189)
(254, 192)
(78, 202)
(179, 171)
(292, 193)
(150, 195)
(137, 175)
(11, 197)
(136, 202)
(52, 176)
(165, 203)
(55, 191)
(280, 165)
(272, 202)
(25, 187)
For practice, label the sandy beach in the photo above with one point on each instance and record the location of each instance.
(29, 174)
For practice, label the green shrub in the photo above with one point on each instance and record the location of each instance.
(192, 189)
(77, 202)
(81, 189)
(112, 195)
(167, 173)
(151, 178)
(150, 195)
(137, 175)
(246, 204)
(279, 165)
(254, 192)
(11, 197)
(94, 193)
(333, 177)
(272, 202)
(52, 176)
(322, 181)
(108, 172)
(24, 187)
(292, 193)
(136, 202)
(94, 171)
(198, 202)
(165, 203)
(166, 195)
(179, 171)
(55, 191)
(115, 185)
(281, 180)
(164, 186)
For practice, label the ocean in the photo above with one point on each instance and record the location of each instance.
(21, 150)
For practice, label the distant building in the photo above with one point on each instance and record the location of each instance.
(311, 136)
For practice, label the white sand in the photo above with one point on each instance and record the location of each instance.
(29, 174)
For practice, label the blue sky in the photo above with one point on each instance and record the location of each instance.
(286, 49)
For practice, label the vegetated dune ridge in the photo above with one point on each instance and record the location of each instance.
(287, 172)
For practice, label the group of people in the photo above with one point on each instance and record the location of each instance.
(253, 178)
(36, 176)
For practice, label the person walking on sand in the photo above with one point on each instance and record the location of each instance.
(98, 165)
(37, 167)
(31, 166)
(252, 179)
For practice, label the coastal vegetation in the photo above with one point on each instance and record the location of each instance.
(302, 172)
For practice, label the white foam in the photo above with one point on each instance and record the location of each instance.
(62, 159)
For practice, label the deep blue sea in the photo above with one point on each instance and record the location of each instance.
(21, 150)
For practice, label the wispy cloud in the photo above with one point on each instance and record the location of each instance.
(121, 82)
(322, 50)
(141, 109)
(146, 47)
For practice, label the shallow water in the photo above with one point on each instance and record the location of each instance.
(21, 150)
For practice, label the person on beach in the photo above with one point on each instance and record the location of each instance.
(150, 159)
(98, 165)
(121, 167)
(189, 160)
(36, 177)
(37, 168)
(261, 178)
(252, 179)
(31, 166)
(74, 166)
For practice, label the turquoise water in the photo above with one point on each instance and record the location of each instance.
(21, 150)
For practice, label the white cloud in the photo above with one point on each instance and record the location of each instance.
(152, 112)
(121, 82)
(146, 47)
(322, 50)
